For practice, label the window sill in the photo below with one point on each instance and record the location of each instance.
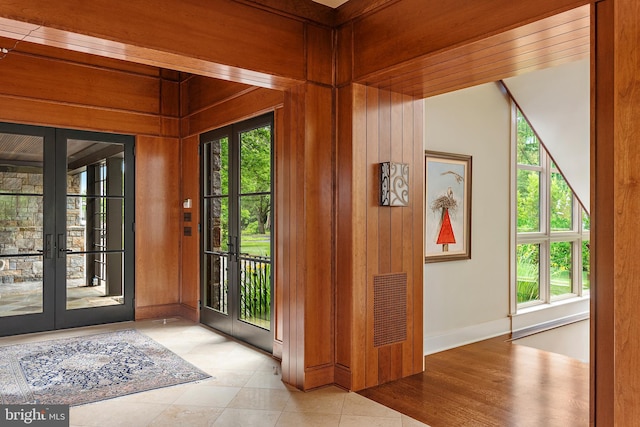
(544, 316)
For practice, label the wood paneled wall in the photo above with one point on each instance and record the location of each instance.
(305, 237)
(371, 239)
(54, 87)
(209, 104)
(78, 91)
(615, 202)
(157, 226)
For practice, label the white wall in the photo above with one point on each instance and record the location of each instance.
(466, 301)
(556, 102)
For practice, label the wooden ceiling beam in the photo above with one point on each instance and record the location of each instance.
(225, 39)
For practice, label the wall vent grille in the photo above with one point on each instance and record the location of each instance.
(389, 308)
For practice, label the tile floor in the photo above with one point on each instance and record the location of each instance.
(245, 388)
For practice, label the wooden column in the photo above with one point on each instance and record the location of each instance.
(377, 126)
(304, 178)
(615, 204)
(305, 221)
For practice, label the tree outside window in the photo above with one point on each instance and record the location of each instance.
(552, 230)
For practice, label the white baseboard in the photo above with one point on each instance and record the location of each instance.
(467, 335)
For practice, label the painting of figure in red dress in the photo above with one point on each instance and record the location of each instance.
(446, 235)
(447, 215)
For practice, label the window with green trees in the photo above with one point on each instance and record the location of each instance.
(552, 228)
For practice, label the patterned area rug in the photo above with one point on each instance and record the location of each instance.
(74, 371)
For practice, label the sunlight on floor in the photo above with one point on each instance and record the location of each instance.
(571, 340)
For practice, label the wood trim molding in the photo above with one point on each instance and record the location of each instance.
(159, 311)
(354, 9)
(167, 311)
(318, 376)
(298, 9)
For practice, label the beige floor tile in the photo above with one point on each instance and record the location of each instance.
(260, 398)
(246, 418)
(269, 364)
(361, 421)
(179, 348)
(165, 395)
(266, 379)
(354, 404)
(218, 345)
(240, 359)
(410, 422)
(327, 400)
(115, 413)
(206, 395)
(186, 415)
(306, 419)
(226, 378)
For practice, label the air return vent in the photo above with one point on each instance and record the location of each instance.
(389, 308)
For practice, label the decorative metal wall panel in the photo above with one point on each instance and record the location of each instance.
(389, 308)
(394, 184)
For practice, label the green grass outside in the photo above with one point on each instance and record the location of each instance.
(527, 285)
(256, 244)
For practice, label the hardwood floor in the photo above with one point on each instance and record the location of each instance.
(492, 383)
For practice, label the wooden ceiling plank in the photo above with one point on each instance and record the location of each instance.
(430, 87)
(505, 54)
(468, 78)
(465, 59)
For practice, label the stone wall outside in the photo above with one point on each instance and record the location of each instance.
(21, 220)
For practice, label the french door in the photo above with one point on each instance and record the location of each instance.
(237, 276)
(66, 236)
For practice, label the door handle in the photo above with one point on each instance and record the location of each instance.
(233, 248)
(62, 251)
(47, 251)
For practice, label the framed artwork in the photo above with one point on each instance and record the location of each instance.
(447, 206)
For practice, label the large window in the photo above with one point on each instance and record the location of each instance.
(552, 228)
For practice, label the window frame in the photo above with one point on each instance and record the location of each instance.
(544, 237)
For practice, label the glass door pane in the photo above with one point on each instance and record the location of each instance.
(255, 268)
(255, 218)
(216, 230)
(21, 224)
(94, 246)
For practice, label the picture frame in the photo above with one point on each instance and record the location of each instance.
(447, 206)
